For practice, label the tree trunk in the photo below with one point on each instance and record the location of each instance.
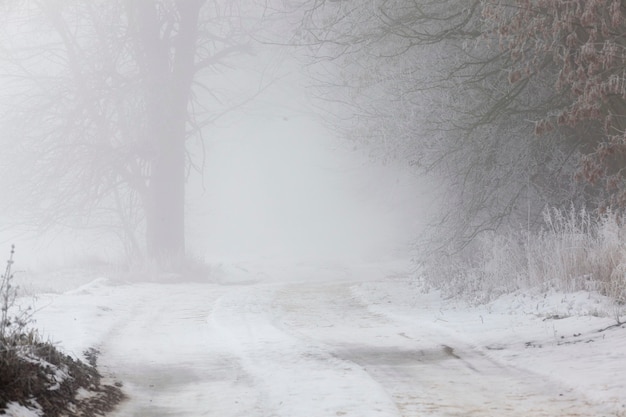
(169, 68)
(165, 214)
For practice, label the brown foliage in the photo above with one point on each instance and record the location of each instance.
(586, 41)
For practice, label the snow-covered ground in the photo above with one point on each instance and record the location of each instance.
(329, 339)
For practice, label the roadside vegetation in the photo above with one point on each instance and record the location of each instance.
(574, 251)
(36, 378)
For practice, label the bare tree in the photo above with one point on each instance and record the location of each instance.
(420, 82)
(102, 100)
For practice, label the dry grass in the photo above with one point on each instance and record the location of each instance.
(36, 375)
(575, 251)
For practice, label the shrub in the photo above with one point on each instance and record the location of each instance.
(12, 323)
(574, 251)
(36, 376)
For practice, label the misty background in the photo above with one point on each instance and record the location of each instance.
(172, 132)
(277, 184)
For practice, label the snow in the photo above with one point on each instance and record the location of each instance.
(570, 339)
(56, 375)
(14, 409)
(330, 339)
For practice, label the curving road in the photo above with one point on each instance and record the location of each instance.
(305, 350)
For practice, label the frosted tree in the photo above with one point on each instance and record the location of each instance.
(419, 82)
(585, 41)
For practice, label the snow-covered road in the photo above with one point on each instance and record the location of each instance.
(423, 370)
(294, 348)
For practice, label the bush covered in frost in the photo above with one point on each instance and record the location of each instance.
(573, 251)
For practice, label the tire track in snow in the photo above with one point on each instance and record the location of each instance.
(170, 361)
(296, 378)
(295, 350)
(425, 371)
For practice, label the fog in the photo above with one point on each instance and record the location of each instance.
(276, 182)
(279, 185)
(284, 187)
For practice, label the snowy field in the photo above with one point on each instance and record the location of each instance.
(327, 339)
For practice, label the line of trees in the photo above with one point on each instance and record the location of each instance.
(516, 105)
